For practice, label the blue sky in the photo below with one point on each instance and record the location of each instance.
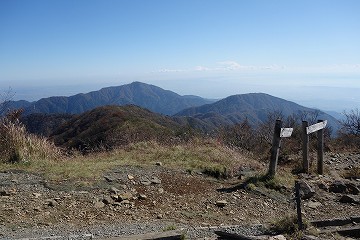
(210, 48)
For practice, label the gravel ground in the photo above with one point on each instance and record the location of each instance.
(114, 230)
(136, 200)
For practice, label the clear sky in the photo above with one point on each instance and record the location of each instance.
(211, 48)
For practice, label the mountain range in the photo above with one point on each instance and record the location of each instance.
(147, 96)
(255, 108)
(189, 110)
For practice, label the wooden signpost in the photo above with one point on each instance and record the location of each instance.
(319, 128)
(279, 133)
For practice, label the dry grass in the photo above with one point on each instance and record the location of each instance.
(288, 225)
(23, 151)
(197, 155)
(18, 146)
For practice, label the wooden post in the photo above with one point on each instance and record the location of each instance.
(320, 150)
(298, 204)
(305, 146)
(275, 148)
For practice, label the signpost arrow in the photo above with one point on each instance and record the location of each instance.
(286, 132)
(316, 127)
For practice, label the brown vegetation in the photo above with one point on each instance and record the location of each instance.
(112, 126)
(17, 145)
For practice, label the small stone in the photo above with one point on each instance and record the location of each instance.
(309, 237)
(142, 196)
(125, 196)
(145, 182)
(107, 200)
(115, 197)
(109, 179)
(51, 202)
(277, 237)
(158, 164)
(350, 199)
(323, 186)
(36, 195)
(5, 193)
(221, 203)
(37, 209)
(338, 187)
(306, 191)
(155, 180)
(99, 204)
(114, 190)
(205, 224)
(82, 192)
(126, 202)
(352, 189)
(130, 177)
(314, 205)
(159, 216)
(161, 190)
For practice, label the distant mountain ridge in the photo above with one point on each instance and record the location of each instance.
(253, 107)
(144, 95)
(189, 110)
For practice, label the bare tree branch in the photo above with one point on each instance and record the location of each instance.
(5, 98)
(351, 123)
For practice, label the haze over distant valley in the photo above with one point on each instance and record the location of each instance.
(307, 51)
(335, 98)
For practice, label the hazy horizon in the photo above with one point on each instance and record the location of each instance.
(307, 52)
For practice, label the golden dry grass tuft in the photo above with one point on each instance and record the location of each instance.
(18, 146)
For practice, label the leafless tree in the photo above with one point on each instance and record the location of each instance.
(351, 123)
(310, 116)
(5, 98)
(266, 129)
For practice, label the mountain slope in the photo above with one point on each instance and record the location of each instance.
(110, 126)
(254, 107)
(144, 95)
(44, 124)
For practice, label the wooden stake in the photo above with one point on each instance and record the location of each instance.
(275, 148)
(320, 150)
(298, 204)
(305, 146)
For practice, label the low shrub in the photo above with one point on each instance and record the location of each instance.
(288, 225)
